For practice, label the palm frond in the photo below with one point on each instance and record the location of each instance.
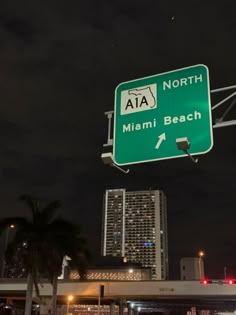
(49, 211)
(31, 202)
(65, 227)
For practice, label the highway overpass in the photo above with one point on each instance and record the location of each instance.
(151, 294)
(127, 289)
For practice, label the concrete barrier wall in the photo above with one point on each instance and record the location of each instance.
(129, 288)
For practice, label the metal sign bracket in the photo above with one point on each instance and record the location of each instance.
(220, 122)
(108, 160)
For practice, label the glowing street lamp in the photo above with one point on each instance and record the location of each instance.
(69, 299)
(201, 254)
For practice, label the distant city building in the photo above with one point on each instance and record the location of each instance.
(135, 228)
(112, 268)
(2, 253)
(191, 268)
(5, 239)
(15, 268)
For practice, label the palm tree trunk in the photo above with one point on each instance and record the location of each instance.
(54, 295)
(29, 293)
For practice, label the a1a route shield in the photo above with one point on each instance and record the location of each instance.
(152, 113)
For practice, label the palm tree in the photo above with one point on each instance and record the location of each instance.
(42, 241)
(63, 239)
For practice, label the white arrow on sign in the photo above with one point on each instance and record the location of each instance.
(162, 137)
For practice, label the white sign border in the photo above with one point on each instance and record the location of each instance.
(171, 157)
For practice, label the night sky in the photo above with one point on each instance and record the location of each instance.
(60, 62)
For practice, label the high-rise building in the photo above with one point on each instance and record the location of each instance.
(5, 238)
(15, 268)
(135, 228)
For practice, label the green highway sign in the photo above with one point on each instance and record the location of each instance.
(152, 114)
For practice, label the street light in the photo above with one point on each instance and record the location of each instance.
(200, 263)
(69, 299)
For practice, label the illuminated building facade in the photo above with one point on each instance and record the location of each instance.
(122, 273)
(135, 228)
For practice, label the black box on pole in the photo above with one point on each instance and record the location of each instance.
(101, 290)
